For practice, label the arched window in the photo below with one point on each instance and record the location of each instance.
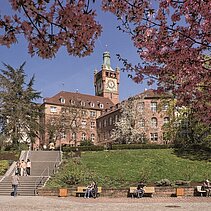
(154, 122)
(166, 120)
(92, 137)
(73, 136)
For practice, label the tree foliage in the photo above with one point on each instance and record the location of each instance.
(190, 133)
(129, 129)
(19, 113)
(49, 25)
(171, 37)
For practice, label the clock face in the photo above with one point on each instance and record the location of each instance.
(111, 84)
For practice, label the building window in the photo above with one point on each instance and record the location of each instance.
(140, 107)
(101, 105)
(166, 120)
(154, 122)
(74, 123)
(110, 121)
(62, 100)
(154, 136)
(165, 107)
(142, 137)
(72, 102)
(153, 106)
(142, 123)
(92, 105)
(53, 109)
(116, 118)
(105, 123)
(92, 137)
(99, 124)
(83, 103)
(92, 113)
(63, 135)
(74, 136)
(83, 123)
(83, 136)
(92, 125)
(83, 112)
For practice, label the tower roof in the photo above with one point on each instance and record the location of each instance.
(107, 60)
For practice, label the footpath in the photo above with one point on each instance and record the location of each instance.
(48, 203)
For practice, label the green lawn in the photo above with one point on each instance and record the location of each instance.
(4, 165)
(124, 168)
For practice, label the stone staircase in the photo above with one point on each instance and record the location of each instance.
(44, 164)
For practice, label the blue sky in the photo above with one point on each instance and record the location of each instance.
(70, 73)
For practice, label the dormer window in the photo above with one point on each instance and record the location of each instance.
(92, 105)
(83, 103)
(72, 102)
(62, 100)
(101, 105)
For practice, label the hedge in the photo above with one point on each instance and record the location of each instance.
(116, 147)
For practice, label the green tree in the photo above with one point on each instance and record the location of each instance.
(19, 113)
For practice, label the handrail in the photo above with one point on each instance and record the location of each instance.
(40, 178)
(57, 162)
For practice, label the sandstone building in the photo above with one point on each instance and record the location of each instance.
(69, 118)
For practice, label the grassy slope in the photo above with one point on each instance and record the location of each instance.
(126, 167)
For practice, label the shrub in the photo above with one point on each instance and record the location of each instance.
(163, 182)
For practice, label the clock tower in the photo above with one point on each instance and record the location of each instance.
(106, 81)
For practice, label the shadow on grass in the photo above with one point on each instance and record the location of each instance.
(193, 154)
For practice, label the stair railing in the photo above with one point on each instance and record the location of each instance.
(57, 163)
(41, 179)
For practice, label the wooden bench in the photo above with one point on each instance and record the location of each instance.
(147, 191)
(80, 191)
(200, 191)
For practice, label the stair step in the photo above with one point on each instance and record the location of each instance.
(43, 162)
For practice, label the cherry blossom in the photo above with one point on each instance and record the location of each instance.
(172, 38)
(49, 25)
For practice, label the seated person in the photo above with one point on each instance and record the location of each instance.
(140, 189)
(94, 189)
(207, 187)
(88, 191)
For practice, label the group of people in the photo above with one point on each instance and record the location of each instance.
(23, 168)
(91, 190)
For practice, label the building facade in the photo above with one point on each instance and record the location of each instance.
(145, 115)
(69, 118)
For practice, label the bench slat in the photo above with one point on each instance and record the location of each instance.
(146, 189)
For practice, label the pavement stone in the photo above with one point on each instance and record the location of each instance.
(52, 203)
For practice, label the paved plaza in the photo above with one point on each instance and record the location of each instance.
(47, 203)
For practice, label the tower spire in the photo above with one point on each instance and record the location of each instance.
(107, 60)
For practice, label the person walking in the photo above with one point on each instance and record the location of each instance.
(15, 183)
(28, 167)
